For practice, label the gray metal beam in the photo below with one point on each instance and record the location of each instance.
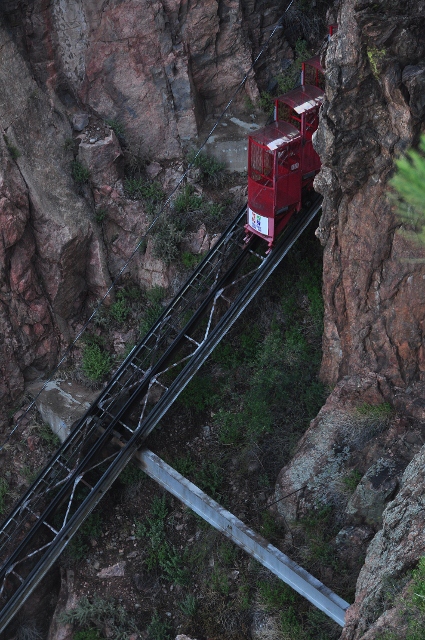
(280, 564)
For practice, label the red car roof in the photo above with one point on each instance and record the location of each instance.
(276, 134)
(303, 98)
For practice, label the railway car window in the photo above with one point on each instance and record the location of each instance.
(313, 77)
(261, 164)
(288, 115)
(287, 160)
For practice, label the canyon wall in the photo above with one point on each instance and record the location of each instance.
(158, 68)
(374, 299)
(374, 110)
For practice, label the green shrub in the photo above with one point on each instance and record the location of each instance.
(159, 629)
(167, 236)
(209, 478)
(119, 309)
(14, 151)
(153, 310)
(117, 127)
(228, 552)
(4, 490)
(79, 545)
(189, 606)
(270, 528)
(198, 394)
(89, 634)
(159, 552)
(220, 581)
(352, 480)
(48, 437)
(266, 102)
(378, 411)
(88, 613)
(139, 188)
(211, 169)
(187, 200)
(100, 215)
(79, 172)
(418, 586)
(96, 363)
(190, 260)
(185, 465)
(131, 475)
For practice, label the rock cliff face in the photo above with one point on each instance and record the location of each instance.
(50, 255)
(158, 68)
(374, 293)
(374, 109)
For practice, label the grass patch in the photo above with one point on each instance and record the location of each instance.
(160, 553)
(96, 362)
(48, 437)
(79, 172)
(212, 170)
(4, 490)
(352, 480)
(117, 127)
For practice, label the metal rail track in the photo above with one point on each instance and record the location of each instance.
(85, 466)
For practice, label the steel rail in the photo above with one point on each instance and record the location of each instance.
(145, 425)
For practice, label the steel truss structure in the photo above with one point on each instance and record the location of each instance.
(161, 365)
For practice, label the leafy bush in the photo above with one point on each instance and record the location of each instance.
(48, 437)
(190, 260)
(209, 478)
(96, 361)
(153, 309)
(91, 529)
(89, 634)
(167, 236)
(131, 475)
(97, 610)
(79, 172)
(276, 594)
(184, 465)
(409, 184)
(138, 189)
(14, 151)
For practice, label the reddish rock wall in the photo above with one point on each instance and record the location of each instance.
(159, 67)
(49, 250)
(374, 293)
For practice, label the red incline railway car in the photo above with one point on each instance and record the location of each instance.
(274, 179)
(300, 107)
(313, 73)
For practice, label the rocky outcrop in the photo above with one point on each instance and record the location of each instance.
(158, 67)
(373, 286)
(51, 257)
(393, 552)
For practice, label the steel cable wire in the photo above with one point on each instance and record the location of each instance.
(67, 351)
